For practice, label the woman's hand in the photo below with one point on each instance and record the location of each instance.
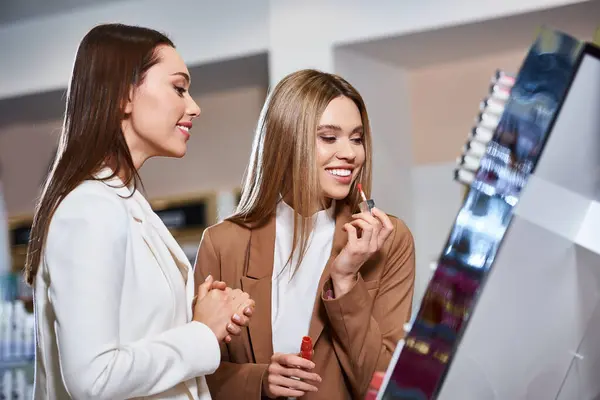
(288, 376)
(243, 312)
(366, 235)
(223, 310)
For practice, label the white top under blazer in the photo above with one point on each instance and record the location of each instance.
(113, 299)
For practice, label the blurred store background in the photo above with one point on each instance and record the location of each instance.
(423, 68)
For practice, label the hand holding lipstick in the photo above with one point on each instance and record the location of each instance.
(366, 235)
(289, 375)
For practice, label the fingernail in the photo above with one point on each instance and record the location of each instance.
(248, 311)
(312, 365)
(207, 278)
(230, 326)
(236, 318)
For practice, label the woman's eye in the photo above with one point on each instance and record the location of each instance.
(328, 139)
(357, 140)
(180, 90)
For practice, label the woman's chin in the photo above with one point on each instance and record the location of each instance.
(339, 194)
(175, 152)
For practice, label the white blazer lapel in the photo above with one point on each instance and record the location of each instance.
(142, 212)
(158, 231)
(153, 230)
(163, 232)
(137, 206)
(176, 253)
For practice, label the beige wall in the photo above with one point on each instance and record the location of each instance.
(218, 150)
(216, 157)
(445, 100)
(25, 154)
(442, 100)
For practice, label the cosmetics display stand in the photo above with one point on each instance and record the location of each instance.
(513, 308)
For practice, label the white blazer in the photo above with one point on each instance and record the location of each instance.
(113, 311)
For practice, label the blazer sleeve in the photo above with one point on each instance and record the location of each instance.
(366, 330)
(85, 258)
(231, 380)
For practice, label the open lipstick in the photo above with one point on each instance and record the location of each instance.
(366, 204)
(306, 348)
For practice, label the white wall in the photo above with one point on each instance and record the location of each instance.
(436, 198)
(203, 31)
(385, 90)
(26, 151)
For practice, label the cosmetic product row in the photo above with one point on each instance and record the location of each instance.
(490, 112)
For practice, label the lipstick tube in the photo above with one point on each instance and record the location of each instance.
(492, 106)
(306, 348)
(463, 176)
(367, 204)
(482, 134)
(488, 120)
(503, 78)
(500, 93)
(468, 162)
(375, 386)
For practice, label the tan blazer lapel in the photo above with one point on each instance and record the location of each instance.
(256, 281)
(340, 238)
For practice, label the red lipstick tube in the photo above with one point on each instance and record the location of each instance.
(375, 385)
(306, 348)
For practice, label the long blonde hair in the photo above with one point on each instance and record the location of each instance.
(282, 162)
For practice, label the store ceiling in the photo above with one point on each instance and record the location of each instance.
(15, 10)
(421, 49)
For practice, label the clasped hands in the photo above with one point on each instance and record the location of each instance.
(224, 310)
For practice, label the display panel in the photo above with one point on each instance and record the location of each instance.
(483, 220)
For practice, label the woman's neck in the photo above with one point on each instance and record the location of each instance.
(315, 208)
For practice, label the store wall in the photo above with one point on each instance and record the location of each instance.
(26, 150)
(218, 150)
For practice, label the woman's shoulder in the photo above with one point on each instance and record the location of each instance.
(91, 199)
(89, 213)
(226, 231)
(401, 236)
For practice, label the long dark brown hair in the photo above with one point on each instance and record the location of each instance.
(111, 60)
(283, 158)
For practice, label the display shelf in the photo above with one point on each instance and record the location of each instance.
(518, 279)
(17, 363)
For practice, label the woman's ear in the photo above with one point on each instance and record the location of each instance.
(128, 106)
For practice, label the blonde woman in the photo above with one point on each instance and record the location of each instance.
(312, 262)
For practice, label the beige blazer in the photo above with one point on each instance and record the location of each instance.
(113, 304)
(354, 335)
